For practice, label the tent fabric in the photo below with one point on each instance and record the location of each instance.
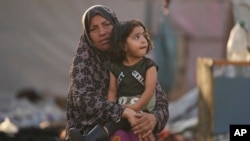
(205, 27)
(166, 52)
(38, 40)
(37, 44)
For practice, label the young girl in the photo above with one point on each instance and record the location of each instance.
(133, 77)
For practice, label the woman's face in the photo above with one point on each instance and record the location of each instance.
(100, 30)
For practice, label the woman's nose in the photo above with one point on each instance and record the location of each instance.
(102, 31)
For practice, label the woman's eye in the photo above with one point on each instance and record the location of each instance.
(107, 24)
(92, 29)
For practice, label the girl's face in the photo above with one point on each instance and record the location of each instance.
(136, 44)
(100, 30)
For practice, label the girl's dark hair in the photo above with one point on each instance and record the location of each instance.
(119, 35)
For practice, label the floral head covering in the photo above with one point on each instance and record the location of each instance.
(104, 11)
(87, 104)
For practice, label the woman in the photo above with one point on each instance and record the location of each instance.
(87, 105)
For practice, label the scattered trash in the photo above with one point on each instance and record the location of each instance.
(8, 127)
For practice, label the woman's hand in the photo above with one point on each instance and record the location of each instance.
(145, 125)
(149, 138)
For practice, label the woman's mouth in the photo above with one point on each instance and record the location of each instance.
(104, 41)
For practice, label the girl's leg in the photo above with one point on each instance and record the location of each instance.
(96, 134)
(112, 126)
(133, 137)
(99, 133)
(120, 135)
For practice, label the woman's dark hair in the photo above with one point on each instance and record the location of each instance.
(119, 35)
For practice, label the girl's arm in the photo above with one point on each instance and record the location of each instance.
(150, 83)
(112, 88)
(157, 119)
(112, 96)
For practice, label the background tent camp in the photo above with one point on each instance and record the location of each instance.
(38, 40)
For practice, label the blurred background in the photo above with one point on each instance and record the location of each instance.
(38, 40)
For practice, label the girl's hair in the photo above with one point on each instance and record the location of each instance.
(119, 35)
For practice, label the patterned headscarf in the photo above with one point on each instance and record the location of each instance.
(89, 80)
(104, 11)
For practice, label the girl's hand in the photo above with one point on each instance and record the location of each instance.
(133, 107)
(130, 115)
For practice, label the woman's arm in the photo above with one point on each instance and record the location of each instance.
(89, 79)
(85, 93)
(161, 109)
